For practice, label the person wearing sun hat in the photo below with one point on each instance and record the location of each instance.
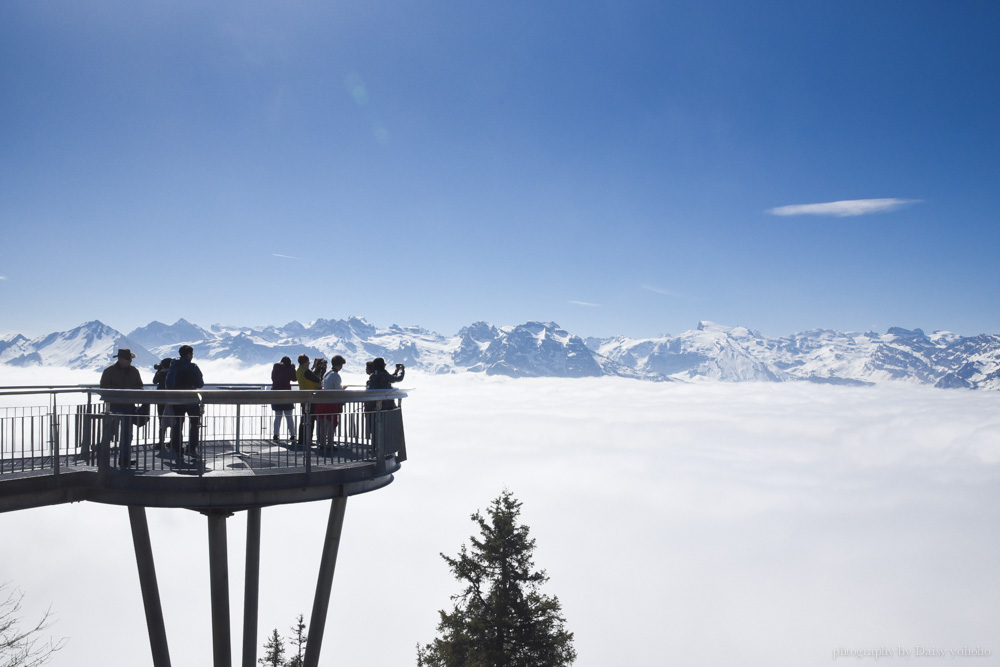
(120, 416)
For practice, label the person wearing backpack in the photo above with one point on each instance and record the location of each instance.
(163, 411)
(282, 377)
(184, 374)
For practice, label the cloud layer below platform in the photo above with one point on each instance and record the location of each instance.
(709, 524)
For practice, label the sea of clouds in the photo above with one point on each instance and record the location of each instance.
(711, 524)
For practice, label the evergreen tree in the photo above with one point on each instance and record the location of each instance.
(500, 619)
(298, 643)
(274, 651)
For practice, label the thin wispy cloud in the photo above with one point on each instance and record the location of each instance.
(585, 303)
(274, 254)
(3, 277)
(844, 209)
(660, 290)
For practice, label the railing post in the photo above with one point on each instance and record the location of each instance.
(104, 445)
(54, 436)
(202, 461)
(237, 428)
(378, 439)
(307, 441)
(87, 441)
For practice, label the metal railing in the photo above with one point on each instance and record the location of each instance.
(235, 423)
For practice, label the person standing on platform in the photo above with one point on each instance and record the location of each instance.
(184, 374)
(282, 377)
(120, 416)
(382, 379)
(379, 378)
(329, 413)
(308, 381)
(163, 411)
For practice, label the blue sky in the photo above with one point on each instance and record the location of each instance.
(619, 168)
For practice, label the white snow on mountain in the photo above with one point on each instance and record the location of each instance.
(710, 352)
(90, 345)
(157, 334)
(536, 349)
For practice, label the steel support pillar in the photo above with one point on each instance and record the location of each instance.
(251, 588)
(218, 563)
(324, 584)
(147, 582)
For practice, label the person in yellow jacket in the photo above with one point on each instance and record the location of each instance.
(307, 380)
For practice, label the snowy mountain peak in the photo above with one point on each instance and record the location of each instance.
(537, 349)
(738, 331)
(11, 339)
(480, 331)
(897, 333)
(91, 345)
(158, 334)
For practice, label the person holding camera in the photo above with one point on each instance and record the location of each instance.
(382, 379)
(379, 378)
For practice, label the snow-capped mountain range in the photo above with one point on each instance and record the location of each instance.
(537, 349)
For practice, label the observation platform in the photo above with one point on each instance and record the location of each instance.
(63, 452)
(52, 453)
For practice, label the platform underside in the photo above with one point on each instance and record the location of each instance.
(225, 476)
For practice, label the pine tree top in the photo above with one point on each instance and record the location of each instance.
(500, 617)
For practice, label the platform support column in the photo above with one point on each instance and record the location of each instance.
(150, 590)
(218, 563)
(324, 584)
(251, 588)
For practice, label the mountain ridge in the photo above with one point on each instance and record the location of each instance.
(543, 349)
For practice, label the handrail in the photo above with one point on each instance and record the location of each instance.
(214, 390)
(44, 389)
(245, 397)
